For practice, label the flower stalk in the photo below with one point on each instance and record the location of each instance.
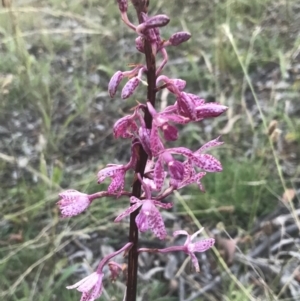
(141, 7)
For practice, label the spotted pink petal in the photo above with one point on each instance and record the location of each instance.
(156, 224)
(125, 127)
(179, 37)
(179, 83)
(144, 135)
(117, 183)
(128, 211)
(207, 163)
(91, 287)
(210, 144)
(197, 179)
(186, 106)
(175, 85)
(162, 205)
(195, 262)
(196, 99)
(209, 110)
(170, 109)
(170, 132)
(181, 151)
(130, 87)
(175, 118)
(159, 174)
(114, 83)
(176, 170)
(109, 171)
(156, 144)
(73, 203)
(203, 245)
(192, 179)
(189, 171)
(141, 221)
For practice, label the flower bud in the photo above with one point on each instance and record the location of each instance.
(115, 270)
(130, 87)
(210, 109)
(179, 37)
(114, 83)
(123, 5)
(157, 21)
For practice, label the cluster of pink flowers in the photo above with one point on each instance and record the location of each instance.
(164, 172)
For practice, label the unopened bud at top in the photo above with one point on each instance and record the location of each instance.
(123, 5)
(179, 37)
(157, 21)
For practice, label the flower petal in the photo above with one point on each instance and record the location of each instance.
(170, 132)
(114, 83)
(203, 245)
(141, 221)
(117, 183)
(159, 174)
(73, 203)
(130, 87)
(163, 205)
(210, 144)
(128, 211)
(156, 224)
(195, 262)
(144, 135)
(207, 162)
(156, 144)
(209, 110)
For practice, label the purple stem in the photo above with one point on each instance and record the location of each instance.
(141, 7)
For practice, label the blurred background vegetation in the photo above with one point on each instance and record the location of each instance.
(56, 118)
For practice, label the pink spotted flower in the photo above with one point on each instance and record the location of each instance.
(91, 286)
(149, 216)
(117, 174)
(73, 202)
(191, 248)
(206, 162)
